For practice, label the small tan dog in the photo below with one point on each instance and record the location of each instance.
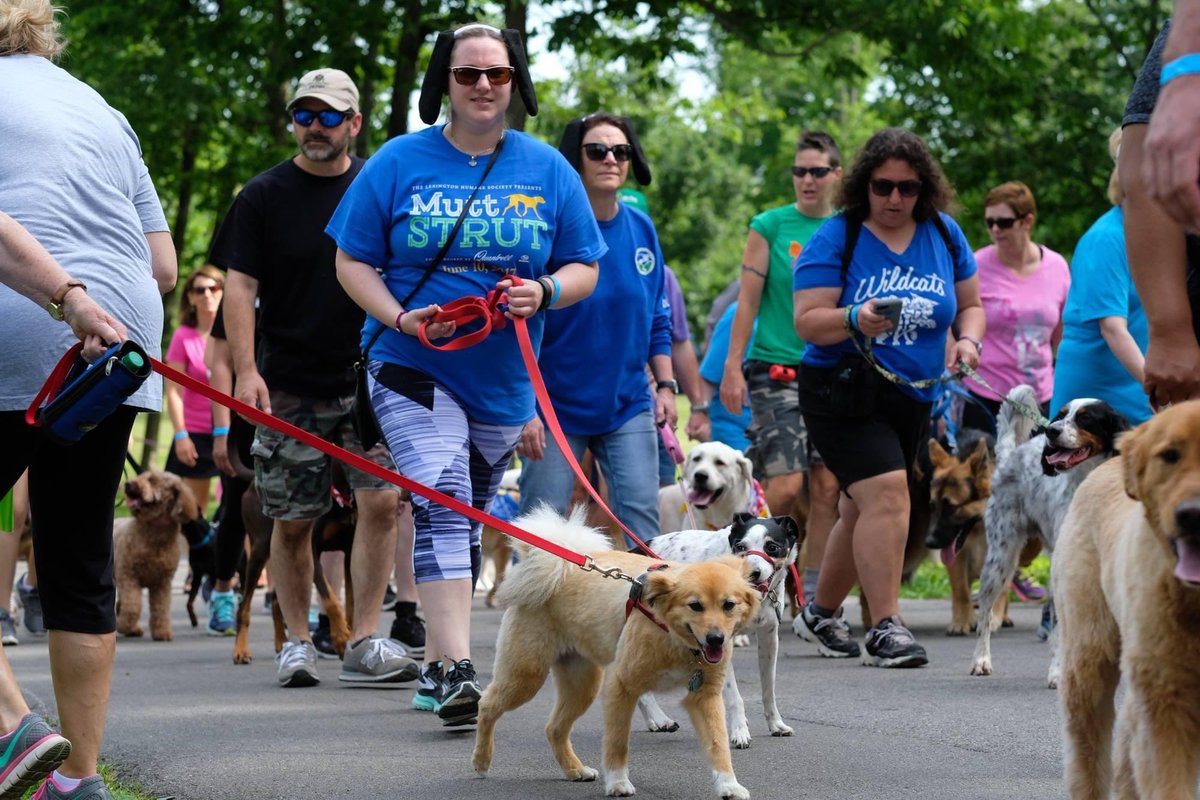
(1126, 579)
(146, 549)
(564, 620)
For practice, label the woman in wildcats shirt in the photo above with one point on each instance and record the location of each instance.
(892, 241)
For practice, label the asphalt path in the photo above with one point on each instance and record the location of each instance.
(185, 722)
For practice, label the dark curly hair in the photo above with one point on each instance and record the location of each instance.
(902, 145)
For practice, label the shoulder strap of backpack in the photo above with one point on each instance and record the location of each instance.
(853, 229)
(940, 224)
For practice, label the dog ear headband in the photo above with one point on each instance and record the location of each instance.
(437, 76)
(572, 142)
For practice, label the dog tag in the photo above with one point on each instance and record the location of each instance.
(696, 681)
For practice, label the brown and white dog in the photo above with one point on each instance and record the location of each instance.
(1032, 486)
(146, 549)
(1126, 581)
(561, 619)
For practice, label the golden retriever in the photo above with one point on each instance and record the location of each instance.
(571, 622)
(1126, 580)
(146, 549)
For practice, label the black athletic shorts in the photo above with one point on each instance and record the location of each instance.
(873, 429)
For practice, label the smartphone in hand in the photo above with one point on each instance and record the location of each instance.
(889, 307)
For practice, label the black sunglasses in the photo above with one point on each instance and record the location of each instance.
(1003, 223)
(816, 172)
(884, 188)
(469, 76)
(595, 151)
(329, 118)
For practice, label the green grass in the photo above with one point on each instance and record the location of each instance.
(932, 583)
(119, 789)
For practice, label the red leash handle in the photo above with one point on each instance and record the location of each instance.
(465, 310)
(50, 389)
(358, 462)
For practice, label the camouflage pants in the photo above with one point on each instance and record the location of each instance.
(293, 479)
(778, 441)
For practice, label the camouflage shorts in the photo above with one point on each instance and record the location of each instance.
(778, 441)
(294, 479)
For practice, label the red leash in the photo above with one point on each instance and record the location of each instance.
(358, 462)
(488, 310)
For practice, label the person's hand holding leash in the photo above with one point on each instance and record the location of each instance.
(964, 351)
(532, 444)
(92, 324)
(524, 299)
(409, 321)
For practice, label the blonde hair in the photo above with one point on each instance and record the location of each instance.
(29, 27)
(1115, 193)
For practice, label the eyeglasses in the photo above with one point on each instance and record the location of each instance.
(469, 76)
(329, 118)
(816, 172)
(199, 290)
(595, 151)
(884, 188)
(1003, 223)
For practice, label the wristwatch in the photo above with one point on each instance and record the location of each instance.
(670, 383)
(55, 306)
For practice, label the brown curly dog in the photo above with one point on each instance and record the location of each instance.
(146, 549)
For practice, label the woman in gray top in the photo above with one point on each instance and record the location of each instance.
(71, 173)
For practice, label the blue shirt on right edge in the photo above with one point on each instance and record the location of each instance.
(1101, 286)
(924, 275)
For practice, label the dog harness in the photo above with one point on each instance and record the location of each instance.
(635, 596)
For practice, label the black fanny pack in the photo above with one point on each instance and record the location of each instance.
(850, 388)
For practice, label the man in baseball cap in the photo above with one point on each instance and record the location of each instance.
(331, 86)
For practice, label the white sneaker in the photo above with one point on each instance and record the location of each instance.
(297, 664)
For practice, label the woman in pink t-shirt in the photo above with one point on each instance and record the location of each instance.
(191, 414)
(1023, 286)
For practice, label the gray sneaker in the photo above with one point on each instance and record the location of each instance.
(28, 754)
(378, 660)
(8, 629)
(891, 644)
(31, 601)
(91, 788)
(297, 664)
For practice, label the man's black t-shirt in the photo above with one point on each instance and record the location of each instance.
(308, 327)
(1141, 104)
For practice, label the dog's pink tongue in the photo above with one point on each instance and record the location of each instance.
(948, 553)
(713, 654)
(1069, 458)
(698, 497)
(1188, 566)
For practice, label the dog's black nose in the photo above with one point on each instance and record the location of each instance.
(1187, 516)
(715, 640)
(755, 576)
(131, 489)
(699, 478)
(1052, 433)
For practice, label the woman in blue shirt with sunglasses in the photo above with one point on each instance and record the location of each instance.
(595, 354)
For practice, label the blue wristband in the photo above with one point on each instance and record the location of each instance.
(180, 435)
(1184, 65)
(854, 316)
(221, 431)
(557, 290)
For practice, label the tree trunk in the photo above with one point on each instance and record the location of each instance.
(408, 56)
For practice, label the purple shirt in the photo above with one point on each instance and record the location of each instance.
(679, 324)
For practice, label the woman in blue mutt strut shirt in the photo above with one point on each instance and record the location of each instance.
(452, 419)
(595, 354)
(892, 241)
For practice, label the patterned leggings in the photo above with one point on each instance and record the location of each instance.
(434, 443)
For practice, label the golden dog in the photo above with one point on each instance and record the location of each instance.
(570, 622)
(1126, 580)
(146, 549)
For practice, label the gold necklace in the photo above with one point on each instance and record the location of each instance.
(474, 157)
